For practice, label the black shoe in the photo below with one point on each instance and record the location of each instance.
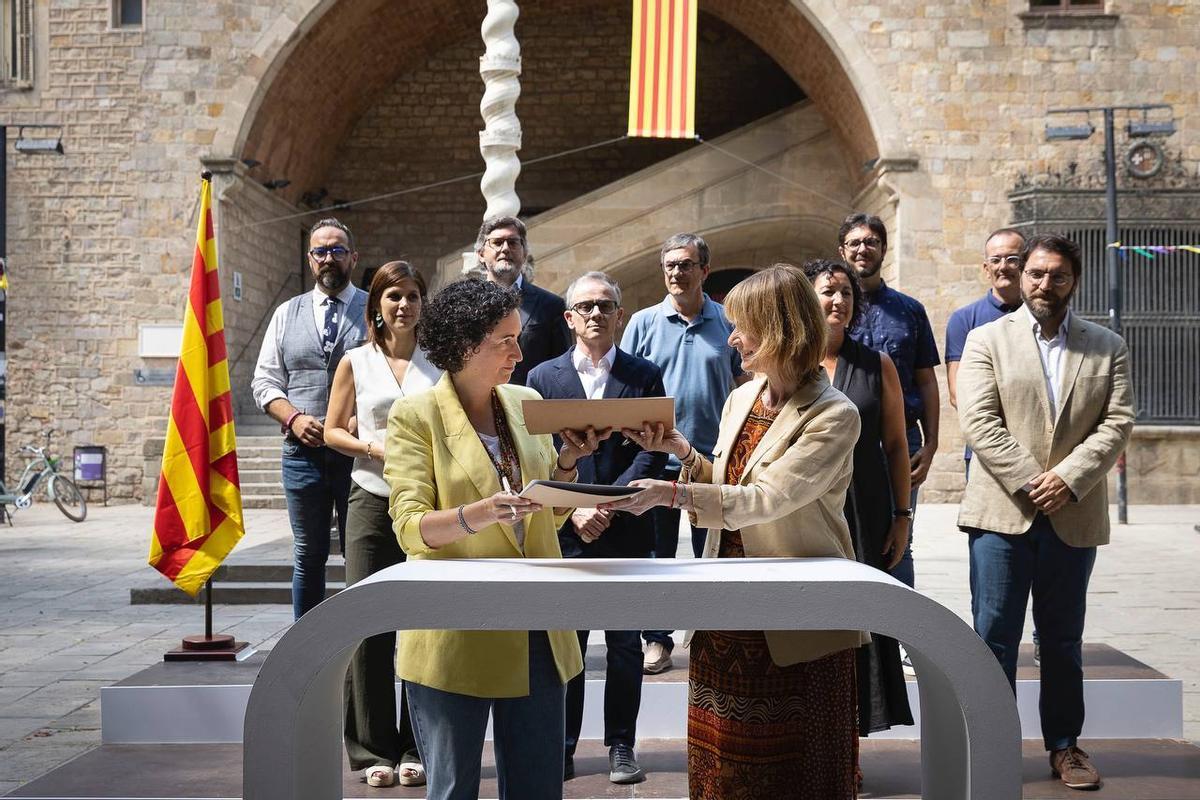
(568, 767)
(622, 766)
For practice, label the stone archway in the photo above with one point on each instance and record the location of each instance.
(336, 55)
(323, 64)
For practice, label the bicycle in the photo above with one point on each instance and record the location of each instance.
(61, 489)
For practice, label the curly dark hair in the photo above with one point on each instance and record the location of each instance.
(459, 318)
(814, 268)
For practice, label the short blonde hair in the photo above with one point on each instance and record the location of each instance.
(779, 307)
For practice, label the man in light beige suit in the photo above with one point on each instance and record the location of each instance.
(1045, 402)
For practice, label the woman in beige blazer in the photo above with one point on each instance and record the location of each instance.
(770, 713)
(454, 458)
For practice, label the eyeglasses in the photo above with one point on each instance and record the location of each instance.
(1008, 261)
(584, 307)
(871, 243)
(498, 244)
(1057, 279)
(337, 251)
(687, 265)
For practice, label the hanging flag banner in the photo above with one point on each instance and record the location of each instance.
(198, 517)
(1151, 251)
(662, 69)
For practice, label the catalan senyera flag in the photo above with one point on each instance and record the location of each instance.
(662, 69)
(198, 518)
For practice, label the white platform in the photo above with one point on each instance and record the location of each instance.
(1116, 709)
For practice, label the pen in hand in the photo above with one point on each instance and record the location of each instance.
(508, 489)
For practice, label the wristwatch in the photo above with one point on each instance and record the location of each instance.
(902, 512)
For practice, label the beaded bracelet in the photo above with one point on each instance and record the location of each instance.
(462, 521)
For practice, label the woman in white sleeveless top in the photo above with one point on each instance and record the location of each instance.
(368, 380)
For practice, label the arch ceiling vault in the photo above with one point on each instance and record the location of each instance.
(324, 63)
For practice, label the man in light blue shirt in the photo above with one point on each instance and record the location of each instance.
(686, 335)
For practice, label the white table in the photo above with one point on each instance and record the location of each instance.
(970, 732)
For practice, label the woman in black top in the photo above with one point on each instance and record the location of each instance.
(878, 524)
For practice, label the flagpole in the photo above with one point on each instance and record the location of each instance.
(203, 423)
(208, 634)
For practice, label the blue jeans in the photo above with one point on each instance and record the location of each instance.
(316, 481)
(527, 733)
(1004, 569)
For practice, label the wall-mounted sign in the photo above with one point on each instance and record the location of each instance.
(154, 377)
(160, 341)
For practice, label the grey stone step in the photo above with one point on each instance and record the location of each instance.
(245, 462)
(230, 594)
(263, 501)
(258, 475)
(275, 572)
(267, 487)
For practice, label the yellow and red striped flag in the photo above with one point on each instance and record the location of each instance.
(198, 518)
(662, 69)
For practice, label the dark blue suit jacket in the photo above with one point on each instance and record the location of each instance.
(544, 331)
(618, 461)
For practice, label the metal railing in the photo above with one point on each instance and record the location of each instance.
(1160, 317)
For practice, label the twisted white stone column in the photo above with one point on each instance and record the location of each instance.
(501, 138)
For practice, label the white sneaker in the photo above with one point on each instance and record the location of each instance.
(906, 663)
(657, 659)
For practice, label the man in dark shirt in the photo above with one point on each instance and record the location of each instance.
(503, 251)
(897, 324)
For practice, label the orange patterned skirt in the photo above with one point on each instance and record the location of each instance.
(757, 730)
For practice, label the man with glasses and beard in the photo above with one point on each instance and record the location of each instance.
(503, 251)
(596, 368)
(1045, 403)
(896, 324)
(301, 349)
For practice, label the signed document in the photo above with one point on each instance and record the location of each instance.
(563, 494)
(552, 416)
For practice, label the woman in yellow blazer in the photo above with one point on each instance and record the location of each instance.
(770, 714)
(454, 458)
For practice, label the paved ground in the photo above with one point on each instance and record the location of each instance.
(66, 626)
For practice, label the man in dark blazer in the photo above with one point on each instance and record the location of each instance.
(595, 368)
(503, 251)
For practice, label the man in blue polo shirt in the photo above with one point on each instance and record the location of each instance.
(686, 335)
(1002, 268)
(897, 324)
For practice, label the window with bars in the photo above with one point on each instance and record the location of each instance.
(16, 31)
(1066, 5)
(1160, 316)
(126, 13)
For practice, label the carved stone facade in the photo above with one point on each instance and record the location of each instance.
(932, 112)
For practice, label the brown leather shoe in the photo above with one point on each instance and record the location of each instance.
(1074, 768)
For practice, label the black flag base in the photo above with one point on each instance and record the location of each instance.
(209, 647)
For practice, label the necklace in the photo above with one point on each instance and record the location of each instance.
(507, 462)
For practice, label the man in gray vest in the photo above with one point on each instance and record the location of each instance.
(304, 342)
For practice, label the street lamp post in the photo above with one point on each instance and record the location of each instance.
(1111, 235)
(21, 145)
